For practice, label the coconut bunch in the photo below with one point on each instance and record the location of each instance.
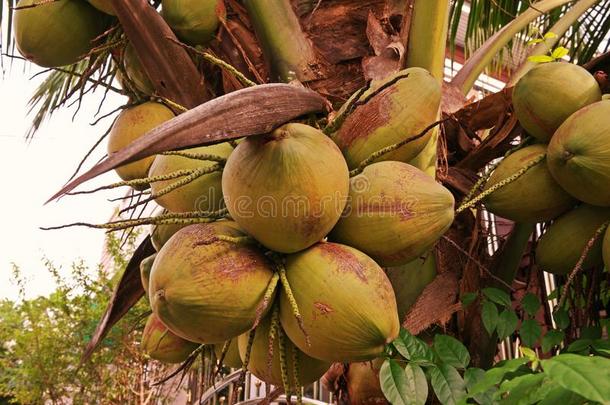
(563, 173)
(264, 243)
(60, 33)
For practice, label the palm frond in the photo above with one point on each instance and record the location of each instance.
(587, 38)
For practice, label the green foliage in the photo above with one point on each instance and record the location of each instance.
(568, 378)
(42, 339)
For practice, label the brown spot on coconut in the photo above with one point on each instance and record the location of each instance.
(579, 154)
(395, 213)
(549, 93)
(231, 358)
(288, 188)
(161, 344)
(145, 268)
(309, 369)
(409, 281)
(58, 33)
(399, 111)
(194, 21)
(203, 193)
(562, 245)
(533, 197)
(208, 290)
(130, 125)
(357, 328)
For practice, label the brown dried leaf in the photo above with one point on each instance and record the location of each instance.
(435, 305)
(125, 295)
(166, 63)
(252, 111)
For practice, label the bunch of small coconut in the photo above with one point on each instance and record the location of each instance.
(562, 176)
(288, 270)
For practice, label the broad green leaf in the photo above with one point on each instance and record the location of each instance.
(551, 339)
(451, 351)
(413, 348)
(417, 385)
(472, 376)
(530, 304)
(549, 35)
(534, 41)
(394, 385)
(498, 296)
(562, 320)
(495, 375)
(489, 315)
(540, 58)
(553, 295)
(559, 395)
(530, 332)
(517, 390)
(585, 375)
(528, 353)
(591, 332)
(468, 298)
(447, 384)
(601, 347)
(559, 52)
(507, 323)
(579, 345)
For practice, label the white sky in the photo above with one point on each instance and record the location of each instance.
(30, 172)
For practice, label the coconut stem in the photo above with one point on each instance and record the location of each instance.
(182, 182)
(223, 354)
(218, 62)
(275, 325)
(376, 155)
(138, 182)
(578, 267)
(467, 204)
(284, 363)
(198, 156)
(179, 218)
(291, 299)
(295, 374)
(266, 298)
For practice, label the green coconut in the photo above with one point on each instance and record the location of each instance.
(534, 197)
(202, 194)
(103, 5)
(395, 213)
(56, 33)
(232, 358)
(130, 125)
(549, 93)
(160, 234)
(194, 21)
(400, 111)
(309, 369)
(346, 302)
(161, 344)
(145, 267)
(363, 387)
(135, 72)
(409, 280)
(208, 290)
(287, 188)
(562, 245)
(606, 249)
(579, 154)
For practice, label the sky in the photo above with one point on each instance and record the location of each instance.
(32, 171)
